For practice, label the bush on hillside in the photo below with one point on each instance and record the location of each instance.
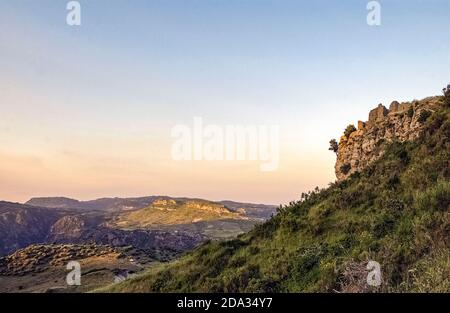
(446, 92)
(349, 130)
(345, 168)
(423, 116)
(334, 146)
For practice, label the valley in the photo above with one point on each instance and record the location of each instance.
(109, 236)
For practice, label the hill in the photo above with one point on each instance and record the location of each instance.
(394, 209)
(213, 220)
(170, 212)
(42, 268)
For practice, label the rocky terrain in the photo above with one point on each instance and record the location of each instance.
(43, 268)
(22, 225)
(401, 122)
(175, 224)
(109, 237)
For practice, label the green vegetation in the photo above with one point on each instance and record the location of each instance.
(396, 212)
(345, 168)
(349, 130)
(423, 116)
(446, 92)
(334, 146)
(410, 111)
(212, 229)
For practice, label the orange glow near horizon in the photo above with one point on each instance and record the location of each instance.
(89, 177)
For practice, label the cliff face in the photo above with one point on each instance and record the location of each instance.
(402, 122)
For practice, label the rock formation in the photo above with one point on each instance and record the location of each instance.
(402, 122)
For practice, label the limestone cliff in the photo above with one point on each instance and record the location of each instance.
(401, 122)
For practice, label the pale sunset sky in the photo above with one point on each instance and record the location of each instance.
(87, 111)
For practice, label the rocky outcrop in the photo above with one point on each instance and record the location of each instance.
(68, 226)
(37, 258)
(401, 122)
(22, 225)
(44, 267)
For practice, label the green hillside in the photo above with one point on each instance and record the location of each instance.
(395, 212)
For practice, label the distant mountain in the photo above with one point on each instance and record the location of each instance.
(103, 204)
(250, 210)
(22, 225)
(159, 222)
(55, 202)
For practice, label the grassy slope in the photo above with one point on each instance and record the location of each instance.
(395, 212)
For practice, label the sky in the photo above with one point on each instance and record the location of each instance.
(87, 111)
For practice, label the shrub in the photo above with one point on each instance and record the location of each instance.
(383, 225)
(392, 182)
(345, 168)
(435, 198)
(334, 146)
(432, 273)
(289, 224)
(349, 130)
(423, 116)
(399, 151)
(446, 92)
(410, 112)
(316, 217)
(319, 212)
(394, 205)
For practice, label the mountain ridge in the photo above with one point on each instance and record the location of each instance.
(360, 146)
(130, 203)
(65, 220)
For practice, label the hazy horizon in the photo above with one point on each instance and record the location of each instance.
(86, 112)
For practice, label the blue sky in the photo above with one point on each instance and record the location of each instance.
(136, 68)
